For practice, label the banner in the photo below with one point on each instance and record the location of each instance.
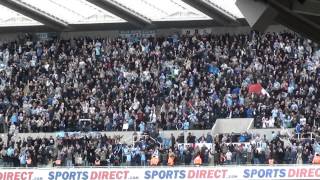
(200, 145)
(137, 34)
(201, 31)
(45, 36)
(157, 173)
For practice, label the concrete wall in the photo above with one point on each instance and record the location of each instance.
(8, 37)
(103, 34)
(160, 32)
(233, 125)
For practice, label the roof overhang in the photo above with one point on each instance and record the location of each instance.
(262, 13)
(36, 14)
(121, 26)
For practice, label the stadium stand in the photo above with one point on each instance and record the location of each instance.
(240, 105)
(172, 83)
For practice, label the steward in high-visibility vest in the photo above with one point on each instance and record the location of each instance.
(197, 161)
(97, 162)
(58, 162)
(271, 161)
(29, 161)
(154, 161)
(316, 159)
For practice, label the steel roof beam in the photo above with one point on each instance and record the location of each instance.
(309, 7)
(219, 15)
(296, 21)
(123, 12)
(258, 14)
(261, 13)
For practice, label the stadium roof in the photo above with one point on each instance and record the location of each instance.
(66, 15)
(299, 15)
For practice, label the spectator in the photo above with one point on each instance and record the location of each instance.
(228, 157)
(154, 161)
(197, 160)
(209, 138)
(316, 159)
(171, 159)
(188, 157)
(190, 138)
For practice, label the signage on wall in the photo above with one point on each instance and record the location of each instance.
(201, 31)
(42, 36)
(202, 172)
(137, 34)
(45, 36)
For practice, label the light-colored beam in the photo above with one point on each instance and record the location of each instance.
(123, 12)
(211, 10)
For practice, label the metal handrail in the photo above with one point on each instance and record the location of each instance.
(139, 135)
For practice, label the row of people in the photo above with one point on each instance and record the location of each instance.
(100, 150)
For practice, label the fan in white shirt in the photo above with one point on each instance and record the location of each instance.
(92, 109)
(229, 155)
(271, 122)
(85, 107)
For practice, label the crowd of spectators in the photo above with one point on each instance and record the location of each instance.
(179, 82)
(176, 82)
(95, 149)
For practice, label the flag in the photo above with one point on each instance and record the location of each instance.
(255, 88)
(258, 89)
